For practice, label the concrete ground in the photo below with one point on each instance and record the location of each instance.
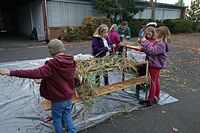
(180, 79)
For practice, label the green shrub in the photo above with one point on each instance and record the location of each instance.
(134, 26)
(180, 26)
(198, 27)
(175, 25)
(70, 33)
(102, 20)
(90, 24)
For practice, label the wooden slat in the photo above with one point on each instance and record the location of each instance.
(104, 90)
(137, 48)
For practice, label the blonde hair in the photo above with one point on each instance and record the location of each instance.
(114, 26)
(163, 34)
(101, 29)
(150, 29)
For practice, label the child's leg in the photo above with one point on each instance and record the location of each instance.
(154, 76)
(158, 86)
(105, 75)
(57, 109)
(68, 118)
(97, 80)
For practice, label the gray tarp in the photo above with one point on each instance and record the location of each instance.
(21, 111)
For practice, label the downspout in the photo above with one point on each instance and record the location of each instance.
(46, 28)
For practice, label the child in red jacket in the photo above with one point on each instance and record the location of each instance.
(114, 37)
(57, 83)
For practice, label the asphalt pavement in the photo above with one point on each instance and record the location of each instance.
(180, 79)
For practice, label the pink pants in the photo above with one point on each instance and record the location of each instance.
(154, 91)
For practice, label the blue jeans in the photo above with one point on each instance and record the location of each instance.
(62, 110)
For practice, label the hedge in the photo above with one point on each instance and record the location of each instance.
(175, 25)
(90, 24)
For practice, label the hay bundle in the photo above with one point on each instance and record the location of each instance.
(87, 69)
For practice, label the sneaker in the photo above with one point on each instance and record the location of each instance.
(142, 102)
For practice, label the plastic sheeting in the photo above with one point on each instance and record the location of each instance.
(21, 111)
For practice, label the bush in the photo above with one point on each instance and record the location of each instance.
(135, 26)
(90, 24)
(175, 25)
(180, 26)
(198, 27)
(70, 33)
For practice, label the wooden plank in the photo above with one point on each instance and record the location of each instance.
(137, 48)
(104, 90)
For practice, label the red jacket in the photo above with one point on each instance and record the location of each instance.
(115, 39)
(57, 78)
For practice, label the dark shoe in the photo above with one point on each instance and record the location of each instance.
(148, 104)
(142, 102)
(155, 101)
(145, 103)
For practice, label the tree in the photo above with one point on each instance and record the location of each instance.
(194, 11)
(180, 3)
(153, 6)
(113, 9)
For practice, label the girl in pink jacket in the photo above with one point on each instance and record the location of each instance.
(114, 37)
(157, 56)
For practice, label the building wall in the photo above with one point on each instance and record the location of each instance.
(71, 13)
(160, 13)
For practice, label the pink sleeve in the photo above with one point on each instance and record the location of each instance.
(117, 37)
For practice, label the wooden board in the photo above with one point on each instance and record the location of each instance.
(105, 90)
(137, 48)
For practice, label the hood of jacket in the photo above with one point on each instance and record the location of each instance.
(65, 65)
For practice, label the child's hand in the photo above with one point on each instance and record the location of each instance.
(109, 49)
(4, 71)
(143, 40)
(127, 37)
(141, 48)
(38, 81)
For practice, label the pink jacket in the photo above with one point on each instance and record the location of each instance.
(115, 39)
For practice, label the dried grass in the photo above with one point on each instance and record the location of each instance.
(87, 69)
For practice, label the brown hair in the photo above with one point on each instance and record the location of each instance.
(124, 23)
(150, 29)
(163, 34)
(143, 23)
